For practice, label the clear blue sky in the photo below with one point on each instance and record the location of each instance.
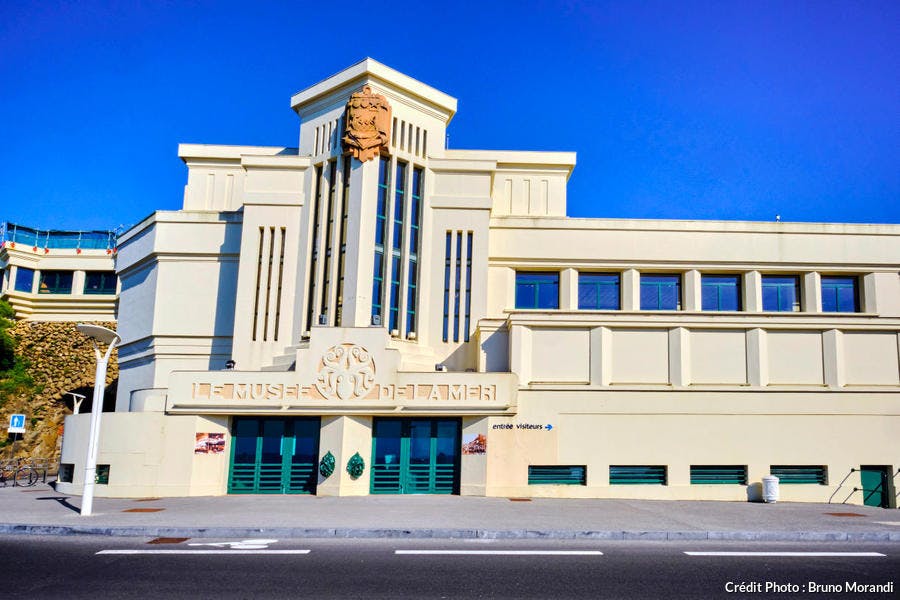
(683, 110)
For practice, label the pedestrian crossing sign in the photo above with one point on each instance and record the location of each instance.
(16, 423)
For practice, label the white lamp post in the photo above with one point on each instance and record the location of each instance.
(110, 337)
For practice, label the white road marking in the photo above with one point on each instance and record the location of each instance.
(507, 552)
(222, 552)
(242, 545)
(888, 523)
(814, 554)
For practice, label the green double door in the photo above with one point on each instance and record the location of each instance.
(274, 455)
(415, 456)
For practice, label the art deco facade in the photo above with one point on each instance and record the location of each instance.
(406, 318)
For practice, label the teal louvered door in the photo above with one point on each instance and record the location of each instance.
(415, 456)
(273, 456)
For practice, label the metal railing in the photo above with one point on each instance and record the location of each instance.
(53, 238)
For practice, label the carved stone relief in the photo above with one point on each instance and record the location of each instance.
(347, 372)
(367, 132)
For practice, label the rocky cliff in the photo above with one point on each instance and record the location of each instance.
(57, 359)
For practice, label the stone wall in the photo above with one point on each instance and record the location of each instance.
(59, 360)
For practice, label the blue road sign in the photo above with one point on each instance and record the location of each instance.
(17, 423)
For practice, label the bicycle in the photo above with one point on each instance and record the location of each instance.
(21, 475)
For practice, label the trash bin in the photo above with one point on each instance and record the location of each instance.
(770, 488)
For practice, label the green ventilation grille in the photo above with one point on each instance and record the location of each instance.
(557, 475)
(788, 474)
(713, 474)
(637, 475)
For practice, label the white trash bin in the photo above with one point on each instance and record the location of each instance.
(770, 488)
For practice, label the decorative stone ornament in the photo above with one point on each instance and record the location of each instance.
(368, 125)
(326, 465)
(347, 372)
(356, 465)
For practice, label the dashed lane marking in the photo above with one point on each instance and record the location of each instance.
(800, 554)
(190, 552)
(506, 552)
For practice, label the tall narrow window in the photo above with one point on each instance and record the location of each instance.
(781, 293)
(329, 237)
(314, 253)
(259, 263)
(468, 285)
(415, 224)
(345, 204)
(397, 246)
(840, 294)
(456, 290)
(720, 292)
(380, 233)
(447, 258)
(280, 279)
(660, 292)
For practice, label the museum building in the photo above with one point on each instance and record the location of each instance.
(374, 313)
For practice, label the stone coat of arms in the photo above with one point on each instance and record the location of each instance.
(368, 125)
(347, 372)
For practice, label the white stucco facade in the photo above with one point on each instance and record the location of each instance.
(364, 300)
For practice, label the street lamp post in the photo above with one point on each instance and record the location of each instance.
(111, 338)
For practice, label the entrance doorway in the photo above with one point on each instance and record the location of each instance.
(415, 456)
(274, 455)
(876, 485)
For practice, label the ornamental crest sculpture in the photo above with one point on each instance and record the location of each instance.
(346, 372)
(368, 125)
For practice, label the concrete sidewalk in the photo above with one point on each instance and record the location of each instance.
(40, 510)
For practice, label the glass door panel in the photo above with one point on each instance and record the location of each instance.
(421, 470)
(304, 457)
(387, 438)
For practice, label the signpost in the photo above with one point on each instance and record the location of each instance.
(17, 423)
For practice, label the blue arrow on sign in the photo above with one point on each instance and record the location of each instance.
(549, 426)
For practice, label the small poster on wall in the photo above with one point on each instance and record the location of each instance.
(474, 443)
(209, 443)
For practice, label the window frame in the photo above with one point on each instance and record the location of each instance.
(796, 306)
(707, 280)
(522, 280)
(598, 284)
(831, 280)
(102, 291)
(645, 279)
(56, 289)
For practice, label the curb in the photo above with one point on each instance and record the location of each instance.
(480, 534)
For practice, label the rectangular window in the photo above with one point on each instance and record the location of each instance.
(345, 204)
(781, 293)
(598, 291)
(468, 308)
(456, 290)
(329, 238)
(840, 294)
(314, 253)
(537, 290)
(397, 246)
(102, 475)
(415, 224)
(100, 282)
(384, 166)
(720, 292)
(66, 472)
(557, 475)
(447, 259)
(791, 474)
(660, 292)
(56, 282)
(637, 475)
(718, 474)
(24, 279)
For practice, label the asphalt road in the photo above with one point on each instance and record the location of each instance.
(103, 567)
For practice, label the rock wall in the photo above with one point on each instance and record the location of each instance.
(59, 360)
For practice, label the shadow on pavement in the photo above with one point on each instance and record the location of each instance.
(63, 501)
